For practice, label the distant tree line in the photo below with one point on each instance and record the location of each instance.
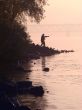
(14, 41)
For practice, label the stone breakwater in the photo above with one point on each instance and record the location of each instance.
(9, 90)
(36, 51)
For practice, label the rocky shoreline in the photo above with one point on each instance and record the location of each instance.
(9, 90)
(37, 51)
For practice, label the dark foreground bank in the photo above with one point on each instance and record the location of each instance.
(9, 90)
(32, 52)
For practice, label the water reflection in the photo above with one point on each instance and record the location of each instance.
(43, 62)
(63, 86)
(35, 103)
(63, 83)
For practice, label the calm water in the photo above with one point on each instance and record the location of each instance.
(63, 83)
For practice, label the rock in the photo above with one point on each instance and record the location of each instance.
(23, 86)
(47, 91)
(28, 70)
(37, 90)
(8, 88)
(66, 51)
(46, 69)
(34, 63)
(6, 103)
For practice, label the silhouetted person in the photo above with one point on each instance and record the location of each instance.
(43, 40)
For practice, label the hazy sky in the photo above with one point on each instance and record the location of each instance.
(63, 12)
(59, 12)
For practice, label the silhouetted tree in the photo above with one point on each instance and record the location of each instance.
(12, 9)
(13, 37)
